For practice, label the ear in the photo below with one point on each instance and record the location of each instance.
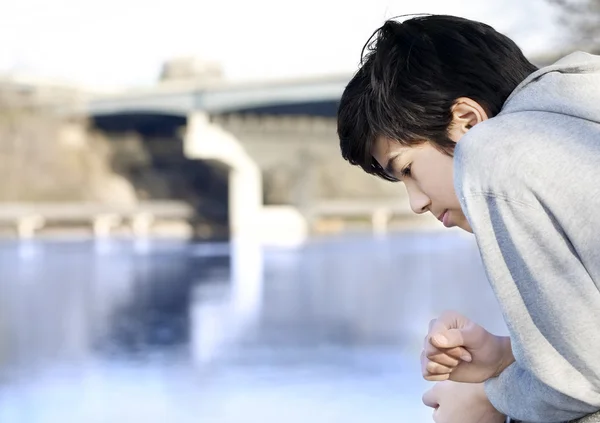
(466, 113)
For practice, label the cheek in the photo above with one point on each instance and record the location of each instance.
(437, 182)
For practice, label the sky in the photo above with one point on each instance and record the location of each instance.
(119, 43)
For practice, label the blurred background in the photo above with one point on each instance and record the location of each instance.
(180, 239)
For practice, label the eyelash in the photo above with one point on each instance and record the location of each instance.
(405, 171)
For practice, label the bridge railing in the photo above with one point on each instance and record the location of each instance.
(28, 218)
(326, 216)
(380, 215)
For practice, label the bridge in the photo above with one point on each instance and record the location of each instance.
(276, 139)
(307, 97)
(249, 150)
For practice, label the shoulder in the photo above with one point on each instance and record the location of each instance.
(514, 153)
(490, 155)
(510, 153)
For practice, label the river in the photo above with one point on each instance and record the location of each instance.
(168, 331)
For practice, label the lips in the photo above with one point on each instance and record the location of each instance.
(445, 218)
(441, 216)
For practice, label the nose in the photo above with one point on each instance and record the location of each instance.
(419, 201)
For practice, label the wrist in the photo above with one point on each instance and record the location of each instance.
(493, 414)
(480, 392)
(506, 358)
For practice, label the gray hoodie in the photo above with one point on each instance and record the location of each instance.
(529, 183)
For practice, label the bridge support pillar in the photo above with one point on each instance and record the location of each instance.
(207, 141)
(380, 220)
(103, 224)
(27, 225)
(141, 224)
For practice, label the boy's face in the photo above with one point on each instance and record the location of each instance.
(427, 174)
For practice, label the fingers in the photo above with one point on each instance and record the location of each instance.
(430, 377)
(431, 324)
(444, 335)
(448, 357)
(442, 358)
(445, 356)
(437, 364)
(432, 371)
(437, 369)
(447, 338)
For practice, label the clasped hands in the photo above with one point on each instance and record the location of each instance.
(460, 355)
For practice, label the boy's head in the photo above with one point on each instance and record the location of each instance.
(421, 85)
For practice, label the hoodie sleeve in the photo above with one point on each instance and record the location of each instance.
(517, 393)
(535, 211)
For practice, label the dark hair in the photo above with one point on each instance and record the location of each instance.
(410, 76)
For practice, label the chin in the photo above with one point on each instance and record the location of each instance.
(466, 227)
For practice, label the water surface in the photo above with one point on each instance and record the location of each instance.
(163, 331)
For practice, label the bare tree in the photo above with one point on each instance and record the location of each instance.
(582, 19)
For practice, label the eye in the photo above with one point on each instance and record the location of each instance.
(405, 172)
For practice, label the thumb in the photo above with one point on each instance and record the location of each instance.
(450, 338)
